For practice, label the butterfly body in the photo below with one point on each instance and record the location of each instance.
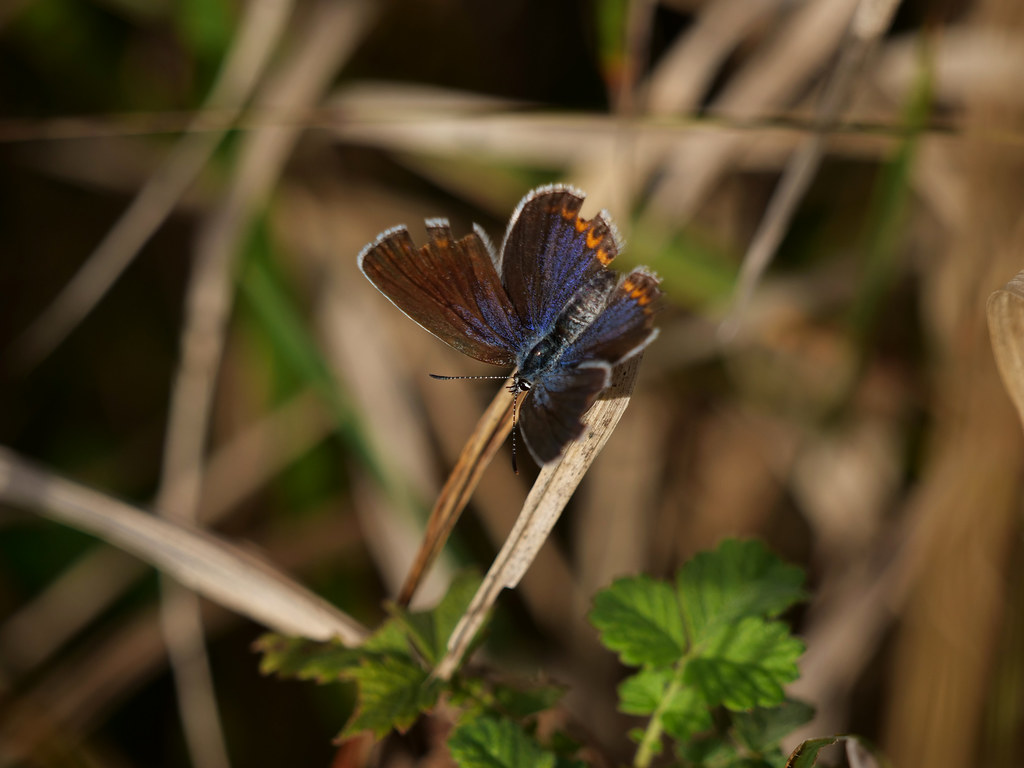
(546, 304)
(545, 355)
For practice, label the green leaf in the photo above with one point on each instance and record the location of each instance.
(806, 755)
(712, 751)
(679, 712)
(430, 630)
(389, 638)
(745, 665)
(682, 716)
(305, 659)
(522, 703)
(392, 687)
(639, 618)
(642, 693)
(686, 714)
(739, 579)
(765, 727)
(392, 692)
(490, 743)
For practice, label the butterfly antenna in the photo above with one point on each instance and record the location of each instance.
(515, 402)
(452, 378)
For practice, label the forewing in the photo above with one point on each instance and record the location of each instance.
(626, 324)
(551, 414)
(450, 287)
(549, 252)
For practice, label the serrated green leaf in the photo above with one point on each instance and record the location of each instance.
(491, 743)
(389, 638)
(305, 659)
(392, 687)
(686, 714)
(745, 665)
(679, 712)
(739, 579)
(765, 727)
(641, 693)
(430, 630)
(392, 691)
(639, 618)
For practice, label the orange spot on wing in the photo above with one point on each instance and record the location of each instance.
(638, 292)
(581, 225)
(593, 238)
(603, 256)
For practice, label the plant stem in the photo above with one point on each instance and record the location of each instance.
(647, 749)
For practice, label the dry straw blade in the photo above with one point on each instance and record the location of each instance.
(489, 435)
(1006, 327)
(212, 567)
(552, 491)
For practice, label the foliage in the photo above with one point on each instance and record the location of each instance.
(394, 685)
(706, 643)
(711, 659)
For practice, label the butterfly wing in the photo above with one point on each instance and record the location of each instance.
(624, 327)
(450, 287)
(552, 412)
(549, 252)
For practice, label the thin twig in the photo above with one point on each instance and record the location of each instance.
(235, 471)
(258, 34)
(870, 20)
(489, 435)
(332, 33)
(211, 566)
(786, 62)
(552, 491)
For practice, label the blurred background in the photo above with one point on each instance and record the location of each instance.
(184, 187)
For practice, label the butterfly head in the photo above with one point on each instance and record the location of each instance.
(520, 385)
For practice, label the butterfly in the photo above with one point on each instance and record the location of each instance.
(546, 303)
